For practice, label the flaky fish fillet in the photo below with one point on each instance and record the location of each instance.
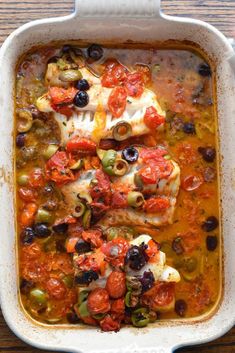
(166, 187)
(83, 122)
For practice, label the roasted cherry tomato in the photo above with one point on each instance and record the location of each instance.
(109, 324)
(77, 144)
(156, 204)
(134, 84)
(152, 119)
(36, 178)
(61, 95)
(98, 301)
(117, 101)
(27, 214)
(115, 251)
(114, 75)
(57, 169)
(191, 182)
(116, 284)
(55, 288)
(162, 294)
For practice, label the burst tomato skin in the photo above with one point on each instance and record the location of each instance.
(55, 288)
(156, 204)
(114, 75)
(93, 236)
(57, 169)
(61, 95)
(27, 194)
(102, 190)
(119, 200)
(160, 295)
(80, 144)
(36, 178)
(115, 251)
(98, 301)
(152, 119)
(134, 84)
(191, 182)
(116, 284)
(109, 324)
(117, 101)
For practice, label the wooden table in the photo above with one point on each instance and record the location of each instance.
(14, 13)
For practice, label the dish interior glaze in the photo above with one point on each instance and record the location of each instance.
(117, 185)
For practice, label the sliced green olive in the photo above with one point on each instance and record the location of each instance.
(135, 199)
(23, 179)
(100, 153)
(83, 296)
(79, 210)
(50, 151)
(93, 182)
(25, 121)
(39, 297)
(83, 310)
(120, 167)
(44, 216)
(140, 317)
(190, 268)
(128, 299)
(68, 281)
(138, 181)
(109, 158)
(70, 75)
(86, 220)
(85, 196)
(98, 316)
(122, 131)
(77, 165)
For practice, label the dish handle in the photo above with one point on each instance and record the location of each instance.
(117, 8)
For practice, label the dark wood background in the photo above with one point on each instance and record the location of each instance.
(14, 13)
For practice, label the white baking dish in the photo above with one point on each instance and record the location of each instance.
(118, 21)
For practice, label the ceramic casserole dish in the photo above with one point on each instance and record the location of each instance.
(119, 21)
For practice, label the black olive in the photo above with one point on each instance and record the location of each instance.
(211, 223)
(72, 318)
(189, 128)
(95, 52)
(82, 85)
(66, 48)
(211, 242)
(177, 246)
(48, 189)
(180, 307)
(86, 277)
(20, 140)
(136, 257)
(53, 60)
(27, 236)
(60, 228)
(41, 230)
(25, 286)
(208, 153)
(130, 154)
(82, 246)
(204, 70)
(81, 99)
(147, 280)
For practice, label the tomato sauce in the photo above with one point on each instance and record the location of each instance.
(49, 236)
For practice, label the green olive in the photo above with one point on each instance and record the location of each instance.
(25, 121)
(44, 216)
(120, 167)
(155, 69)
(100, 153)
(135, 199)
(83, 310)
(109, 158)
(167, 157)
(70, 75)
(190, 269)
(68, 281)
(38, 297)
(86, 220)
(112, 233)
(77, 165)
(50, 151)
(190, 264)
(79, 210)
(138, 181)
(85, 196)
(77, 58)
(83, 296)
(140, 317)
(128, 299)
(23, 179)
(122, 131)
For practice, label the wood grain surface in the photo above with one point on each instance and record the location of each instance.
(14, 13)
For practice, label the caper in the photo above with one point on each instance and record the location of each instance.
(70, 75)
(86, 220)
(38, 296)
(43, 216)
(120, 167)
(140, 317)
(25, 121)
(50, 151)
(122, 131)
(23, 179)
(135, 199)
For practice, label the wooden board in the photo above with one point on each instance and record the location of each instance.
(14, 13)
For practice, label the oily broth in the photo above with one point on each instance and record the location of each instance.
(185, 96)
